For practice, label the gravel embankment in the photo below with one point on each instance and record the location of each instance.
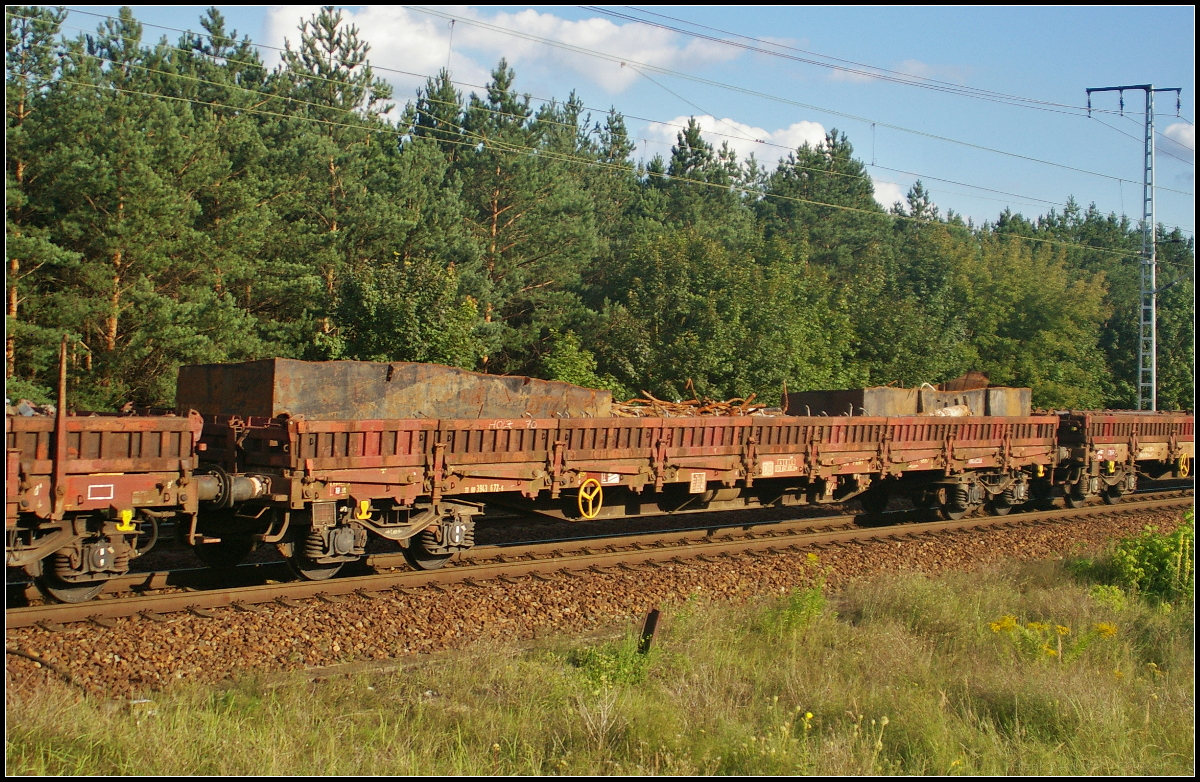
(138, 655)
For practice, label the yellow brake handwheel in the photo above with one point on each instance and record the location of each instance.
(591, 498)
(1184, 467)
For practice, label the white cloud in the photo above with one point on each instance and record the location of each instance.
(419, 43)
(888, 193)
(742, 138)
(1184, 137)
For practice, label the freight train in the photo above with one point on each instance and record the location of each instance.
(86, 494)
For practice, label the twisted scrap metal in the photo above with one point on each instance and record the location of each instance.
(652, 407)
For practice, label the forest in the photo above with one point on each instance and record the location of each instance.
(181, 202)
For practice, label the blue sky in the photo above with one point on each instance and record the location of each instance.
(1049, 55)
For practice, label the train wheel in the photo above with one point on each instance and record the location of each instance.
(64, 592)
(420, 557)
(308, 570)
(229, 552)
(1003, 503)
(957, 504)
(1111, 495)
(999, 506)
(1073, 495)
(952, 512)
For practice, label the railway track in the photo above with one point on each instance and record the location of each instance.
(154, 595)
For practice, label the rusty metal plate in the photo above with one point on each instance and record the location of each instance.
(1011, 402)
(879, 401)
(343, 390)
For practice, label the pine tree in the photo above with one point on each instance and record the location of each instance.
(31, 68)
(438, 115)
(534, 226)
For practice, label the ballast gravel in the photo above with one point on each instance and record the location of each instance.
(137, 656)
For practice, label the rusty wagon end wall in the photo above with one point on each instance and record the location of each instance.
(341, 390)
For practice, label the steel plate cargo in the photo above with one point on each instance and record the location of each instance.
(341, 390)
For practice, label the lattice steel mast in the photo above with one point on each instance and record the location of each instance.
(1148, 299)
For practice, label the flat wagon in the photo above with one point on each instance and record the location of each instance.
(326, 485)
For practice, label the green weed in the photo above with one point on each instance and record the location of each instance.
(794, 612)
(1153, 565)
(613, 663)
(1158, 566)
(1108, 596)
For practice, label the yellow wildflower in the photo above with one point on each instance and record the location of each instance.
(1106, 629)
(1038, 627)
(1050, 652)
(1005, 623)
(1062, 630)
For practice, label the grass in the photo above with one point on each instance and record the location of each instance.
(901, 675)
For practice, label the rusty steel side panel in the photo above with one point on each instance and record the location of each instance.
(363, 390)
(1120, 436)
(838, 445)
(409, 458)
(498, 441)
(787, 447)
(109, 462)
(704, 436)
(1078, 427)
(1105, 427)
(342, 445)
(610, 439)
(106, 444)
(924, 442)
(784, 435)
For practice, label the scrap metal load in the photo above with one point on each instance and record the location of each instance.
(650, 407)
(345, 390)
(970, 395)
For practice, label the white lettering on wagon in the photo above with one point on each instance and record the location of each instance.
(100, 491)
(976, 460)
(778, 464)
(610, 477)
(484, 488)
(699, 483)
